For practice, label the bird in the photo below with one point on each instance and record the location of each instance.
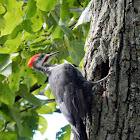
(70, 90)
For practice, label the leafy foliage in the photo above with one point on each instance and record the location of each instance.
(27, 28)
(64, 133)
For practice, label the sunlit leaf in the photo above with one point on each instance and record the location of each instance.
(42, 125)
(37, 21)
(64, 133)
(2, 9)
(46, 5)
(13, 44)
(13, 17)
(2, 23)
(44, 110)
(31, 9)
(53, 106)
(5, 64)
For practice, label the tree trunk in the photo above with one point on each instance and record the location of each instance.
(114, 44)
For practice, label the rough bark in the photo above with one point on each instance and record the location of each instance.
(114, 43)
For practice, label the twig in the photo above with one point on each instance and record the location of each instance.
(35, 107)
(33, 88)
(80, 3)
(99, 81)
(5, 126)
(27, 108)
(25, 1)
(71, 9)
(57, 111)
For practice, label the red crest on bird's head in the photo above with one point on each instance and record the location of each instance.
(31, 61)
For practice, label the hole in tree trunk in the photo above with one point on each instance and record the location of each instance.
(102, 70)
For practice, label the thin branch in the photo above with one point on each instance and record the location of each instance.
(71, 9)
(27, 109)
(33, 88)
(80, 3)
(25, 1)
(103, 78)
(5, 126)
(35, 107)
(57, 111)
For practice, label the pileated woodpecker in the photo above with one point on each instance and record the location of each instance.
(69, 88)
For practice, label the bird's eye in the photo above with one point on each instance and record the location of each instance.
(46, 59)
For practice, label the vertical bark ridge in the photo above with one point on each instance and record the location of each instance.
(115, 37)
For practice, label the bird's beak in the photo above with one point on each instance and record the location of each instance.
(50, 56)
(53, 54)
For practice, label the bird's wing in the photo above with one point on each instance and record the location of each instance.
(68, 91)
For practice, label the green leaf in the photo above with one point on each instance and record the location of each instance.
(15, 32)
(2, 9)
(42, 125)
(44, 110)
(8, 135)
(31, 9)
(1, 78)
(48, 93)
(3, 39)
(13, 44)
(1, 121)
(63, 27)
(67, 43)
(12, 17)
(64, 133)
(27, 26)
(2, 23)
(23, 92)
(41, 78)
(14, 78)
(6, 95)
(64, 9)
(30, 122)
(78, 51)
(46, 5)
(5, 64)
(57, 33)
(37, 21)
(39, 45)
(4, 111)
(53, 106)
(16, 117)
